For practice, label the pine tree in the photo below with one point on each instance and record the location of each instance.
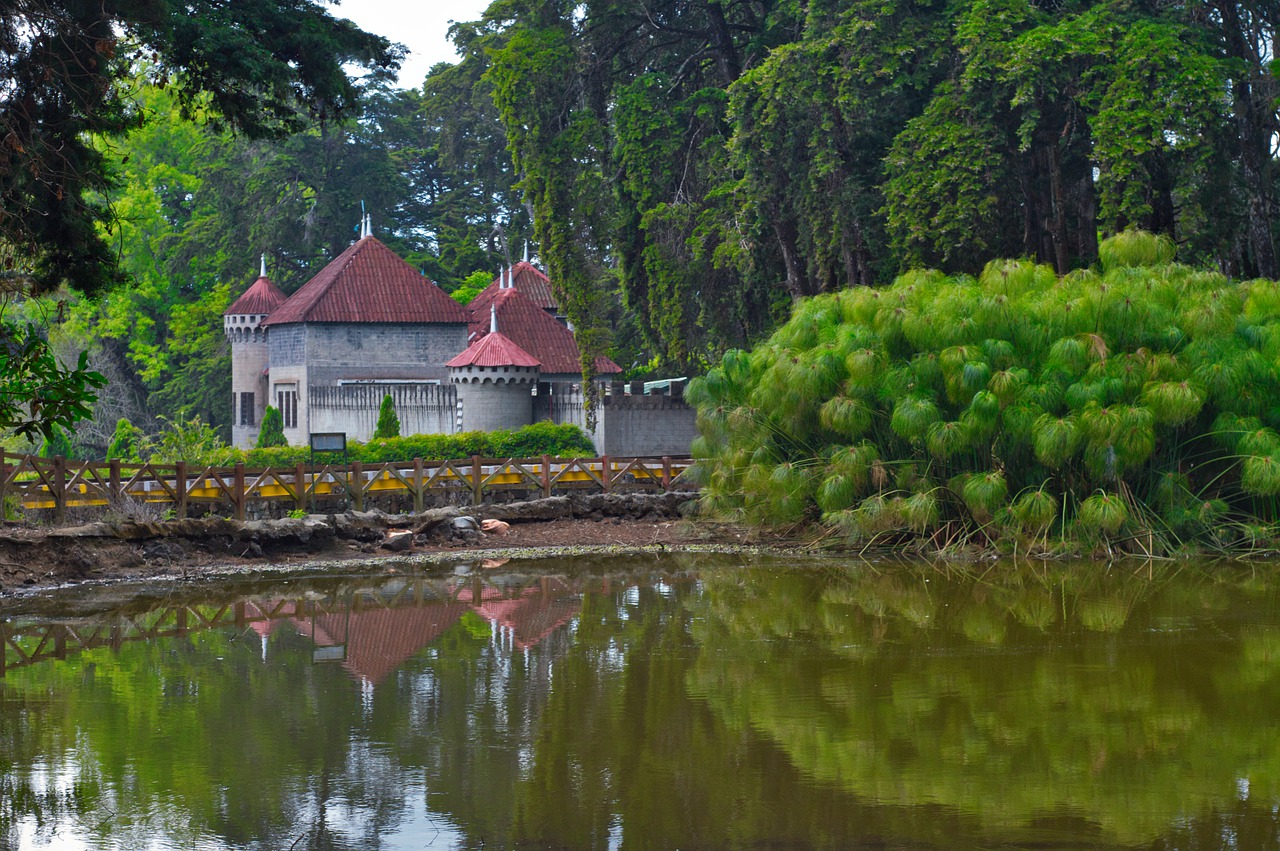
(272, 432)
(388, 423)
(124, 442)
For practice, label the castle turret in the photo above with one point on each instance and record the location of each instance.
(495, 380)
(242, 323)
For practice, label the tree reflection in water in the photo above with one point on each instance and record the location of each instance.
(699, 702)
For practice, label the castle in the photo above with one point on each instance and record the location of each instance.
(370, 325)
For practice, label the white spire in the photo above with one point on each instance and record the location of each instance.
(263, 273)
(493, 319)
(526, 251)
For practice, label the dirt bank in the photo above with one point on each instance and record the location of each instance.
(123, 549)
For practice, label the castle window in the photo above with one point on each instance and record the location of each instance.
(246, 409)
(287, 402)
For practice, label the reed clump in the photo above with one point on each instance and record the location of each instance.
(1134, 407)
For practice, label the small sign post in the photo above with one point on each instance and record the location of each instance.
(327, 441)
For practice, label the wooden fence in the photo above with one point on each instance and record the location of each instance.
(55, 483)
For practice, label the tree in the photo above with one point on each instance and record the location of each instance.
(261, 68)
(271, 432)
(125, 442)
(38, 394)
(388, 423)
(57, 445)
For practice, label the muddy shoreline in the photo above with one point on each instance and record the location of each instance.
(36, 558)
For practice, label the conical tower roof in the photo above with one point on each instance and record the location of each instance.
(494, 349)
(369, 283)
(523, 277)
(261, 298)
(535, 332)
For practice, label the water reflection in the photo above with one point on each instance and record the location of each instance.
(683, 703)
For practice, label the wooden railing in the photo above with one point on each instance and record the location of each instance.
(56, 484)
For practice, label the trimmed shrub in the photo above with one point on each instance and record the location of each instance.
(272, 431)
(125, 441)
(528, 442)
(388, 423)
(1020, 401)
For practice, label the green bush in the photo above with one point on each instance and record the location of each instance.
(388, 423)
(1107, 405)
(271, 433)
(528, 442)
(544, 438)
(126, 441)
(190, 441)
(57, 445)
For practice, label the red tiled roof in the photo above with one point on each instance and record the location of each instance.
(528, 280)
(494, 349)
(261, 297)
(530, 328)
(379, 641)
(532, 617)
(368, 283)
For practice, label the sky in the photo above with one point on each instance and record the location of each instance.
(420, 25)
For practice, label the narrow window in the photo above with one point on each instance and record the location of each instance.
(246, 409)
(287, 402)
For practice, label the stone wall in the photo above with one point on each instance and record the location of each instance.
(645, 425)
(288, 345)
(381, 350)
(353, 408)
(626, 425)
(248, 362)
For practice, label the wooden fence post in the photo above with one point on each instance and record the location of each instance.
(356, 478)
(300, 486)
(417, 485)
(113, 482)
(605, 476)
(546, 476)
(4, 477)
(58, 488)
(477, 481)
(180, 490)
(666, 473)
(239, 495)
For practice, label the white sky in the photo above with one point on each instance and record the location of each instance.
(420, 25)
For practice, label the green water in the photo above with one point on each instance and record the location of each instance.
(688, 702)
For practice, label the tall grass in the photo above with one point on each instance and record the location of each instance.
(1141, 400)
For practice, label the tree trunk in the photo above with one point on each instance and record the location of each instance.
(796, 281)
(1088, 213)
(1058, 225)
(1253, 94)
(726, 51)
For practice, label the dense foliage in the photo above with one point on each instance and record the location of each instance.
(40, 395)
(544, 438)
(688, 168)
(263, 68)
(710, 161)
(1138, 403)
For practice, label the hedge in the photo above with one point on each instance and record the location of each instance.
(529, 442)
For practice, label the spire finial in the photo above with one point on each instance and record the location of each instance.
(493, 318)
(263, 273)
(526, 251)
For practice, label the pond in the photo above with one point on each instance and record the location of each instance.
(675, 702)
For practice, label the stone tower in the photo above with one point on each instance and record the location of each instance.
(494, 379)
(242, 323)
